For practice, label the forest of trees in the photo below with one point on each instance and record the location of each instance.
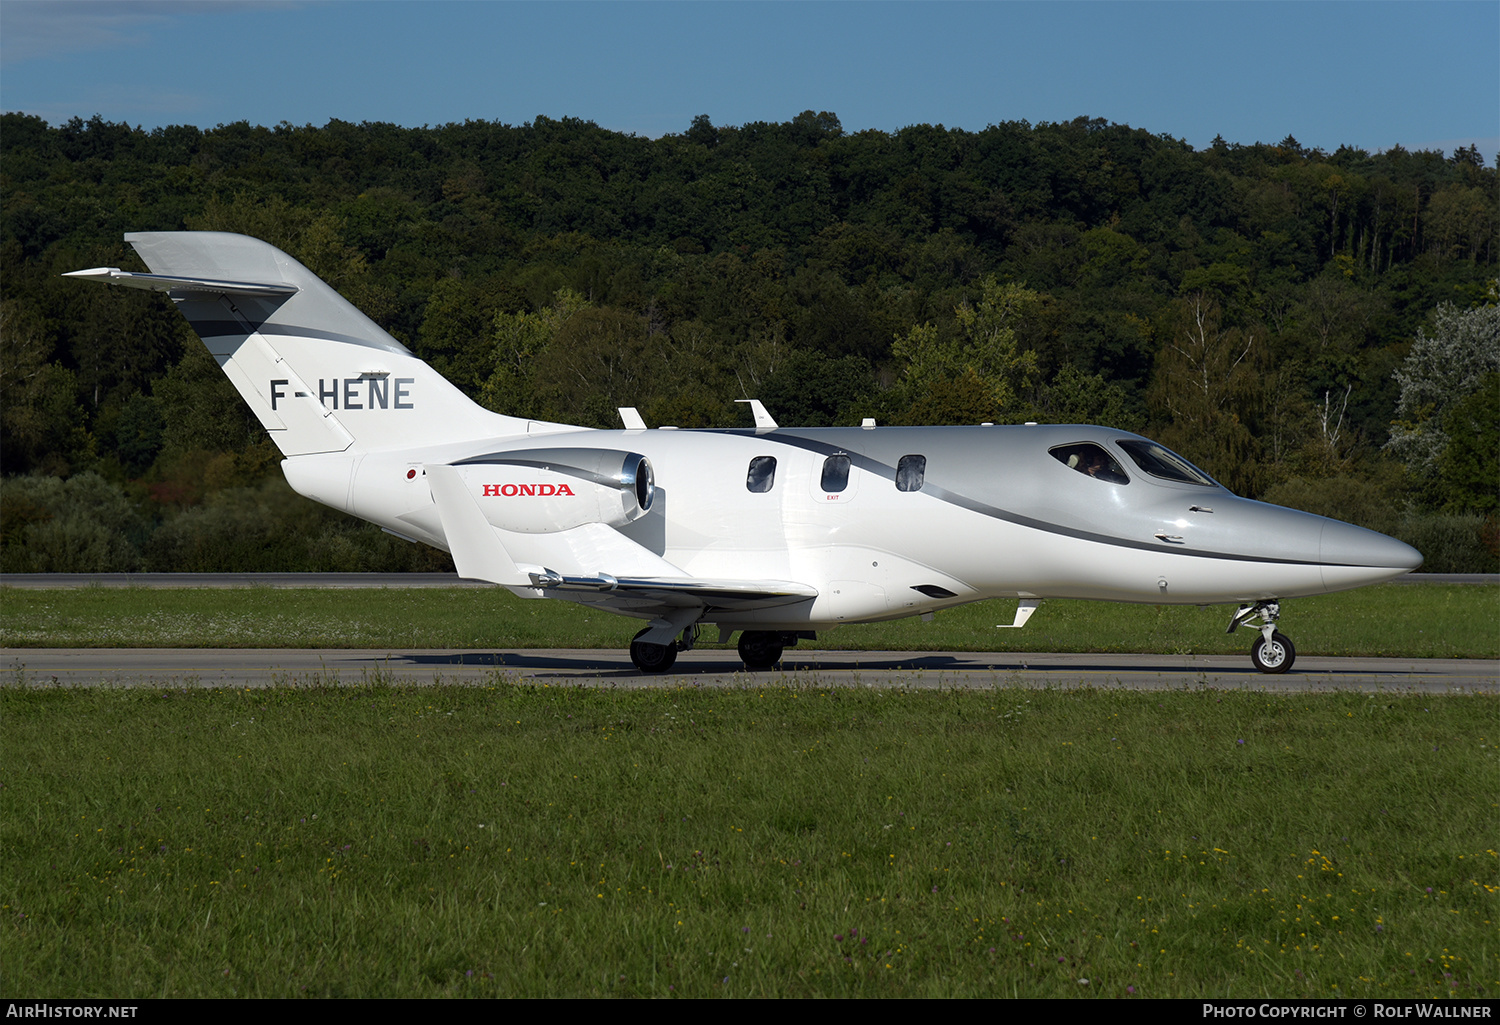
(1316, 329)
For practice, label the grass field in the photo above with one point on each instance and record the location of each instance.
(538, 841)
(1416, 620)
(531, 841)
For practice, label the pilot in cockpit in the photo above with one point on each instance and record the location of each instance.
(1095, 462)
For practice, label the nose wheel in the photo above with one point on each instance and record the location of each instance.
(1274, 654)
(1272, 651)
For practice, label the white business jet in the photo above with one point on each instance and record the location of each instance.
(770, 531)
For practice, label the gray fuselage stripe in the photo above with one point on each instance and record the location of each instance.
(984, 509)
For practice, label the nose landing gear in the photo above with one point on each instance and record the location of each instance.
(1272, 651)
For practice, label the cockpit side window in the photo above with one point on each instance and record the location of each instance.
(911, 471)
(762, 474)
(1166, 464)
(1091, 460)
(835, 473)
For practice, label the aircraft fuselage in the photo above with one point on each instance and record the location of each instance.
(995, 514)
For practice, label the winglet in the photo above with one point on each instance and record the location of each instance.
(476, 548)
(763, 420)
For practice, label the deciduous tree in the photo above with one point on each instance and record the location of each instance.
(982, 347)
(1447, 363)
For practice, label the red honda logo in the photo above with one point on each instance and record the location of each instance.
(512, 490)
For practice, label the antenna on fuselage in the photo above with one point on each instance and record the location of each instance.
(763, 421)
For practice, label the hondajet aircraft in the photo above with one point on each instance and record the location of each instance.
(773, 532)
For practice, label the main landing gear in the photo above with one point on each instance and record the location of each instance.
(761, 649)
(1272, 651)
(659, 658)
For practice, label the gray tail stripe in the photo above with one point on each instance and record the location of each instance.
(215, 328)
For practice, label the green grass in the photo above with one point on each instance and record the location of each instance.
(1416, 620)
(536, 841)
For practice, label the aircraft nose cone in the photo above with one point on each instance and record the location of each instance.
(1353, 555)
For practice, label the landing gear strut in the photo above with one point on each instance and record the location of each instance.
(1272, 651)
(761, 649)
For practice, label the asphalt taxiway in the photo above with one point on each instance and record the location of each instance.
(263, 667)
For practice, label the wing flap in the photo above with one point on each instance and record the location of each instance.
(711, 594)
(699, 586)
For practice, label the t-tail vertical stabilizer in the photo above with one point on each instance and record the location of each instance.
(321, 376)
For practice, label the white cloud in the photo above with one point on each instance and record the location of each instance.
(37, 29)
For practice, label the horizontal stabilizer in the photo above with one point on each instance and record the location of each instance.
(174, 283)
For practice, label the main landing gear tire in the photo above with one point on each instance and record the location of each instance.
(652, 658)
(761, 649)
(1275, 655)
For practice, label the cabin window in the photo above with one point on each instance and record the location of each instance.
(836, 473)
(1091, 461)
(762, 474)
(910, 472)
(1166, 464)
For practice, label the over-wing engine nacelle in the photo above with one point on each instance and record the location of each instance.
(539, 491)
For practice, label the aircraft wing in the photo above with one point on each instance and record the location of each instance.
(593, 564)
(476, 550)
(678, 592)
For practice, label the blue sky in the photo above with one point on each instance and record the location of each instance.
(1370, 74)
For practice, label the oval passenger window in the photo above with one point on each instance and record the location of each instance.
(836, 473)
(911, 471)
(762, 474)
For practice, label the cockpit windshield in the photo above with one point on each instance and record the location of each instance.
(1091, 460)
(1164, 463)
